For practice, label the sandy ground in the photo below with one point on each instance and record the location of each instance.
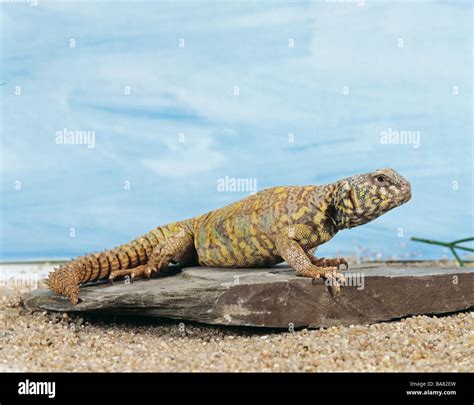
(60, 342)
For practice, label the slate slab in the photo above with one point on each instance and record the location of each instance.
(276, 297)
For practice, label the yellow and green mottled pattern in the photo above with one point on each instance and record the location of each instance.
(243, 234)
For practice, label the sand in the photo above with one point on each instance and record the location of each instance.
(60, 342)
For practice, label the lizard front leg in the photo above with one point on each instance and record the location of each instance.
(178, 248)
(288, 243)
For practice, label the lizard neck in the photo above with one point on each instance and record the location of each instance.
(335, 217)
(324, 212)
(344, 208)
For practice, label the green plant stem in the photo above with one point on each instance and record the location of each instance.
(431, 242)
(450, 245)
(460, 261)
(462, 240)
(464, 248)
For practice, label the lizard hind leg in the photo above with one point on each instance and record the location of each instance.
(175, 248)
(145, 270)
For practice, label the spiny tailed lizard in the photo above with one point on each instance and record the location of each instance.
(274, 225)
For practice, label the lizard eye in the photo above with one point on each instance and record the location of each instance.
(381, 180)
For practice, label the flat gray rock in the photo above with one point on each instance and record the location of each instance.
(277, 297)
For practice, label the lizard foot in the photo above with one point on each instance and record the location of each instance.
(323, 262)
(332, 277)
(333, 281)
(144, 271)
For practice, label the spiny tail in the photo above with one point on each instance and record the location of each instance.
(66, 279)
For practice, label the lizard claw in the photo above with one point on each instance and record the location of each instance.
(148, 272)
(333, 281)
(342, 261)
(323, 262)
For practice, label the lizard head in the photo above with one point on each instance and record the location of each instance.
(364, 197)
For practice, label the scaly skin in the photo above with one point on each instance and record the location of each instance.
(274, 225)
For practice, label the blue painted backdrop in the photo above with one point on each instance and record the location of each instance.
(179, 95)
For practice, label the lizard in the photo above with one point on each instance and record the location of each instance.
(284, 223)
